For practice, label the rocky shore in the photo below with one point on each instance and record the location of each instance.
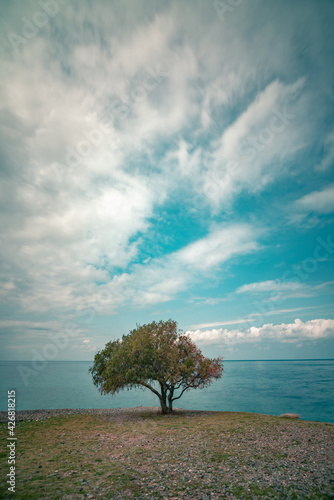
(36, 415)
(139, 453)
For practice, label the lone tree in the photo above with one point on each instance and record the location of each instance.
(159, 354)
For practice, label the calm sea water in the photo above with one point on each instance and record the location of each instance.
(305, 387)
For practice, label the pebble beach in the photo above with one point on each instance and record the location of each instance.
(37, 415)
(228, 455)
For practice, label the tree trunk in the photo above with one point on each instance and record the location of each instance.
(163, 401)
(170, 401)
(164, 407)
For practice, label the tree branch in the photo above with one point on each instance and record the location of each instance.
(151, 389)
(188, 387)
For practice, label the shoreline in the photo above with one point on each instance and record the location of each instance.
(43, 414)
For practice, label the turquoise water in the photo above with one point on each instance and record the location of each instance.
(305, 387)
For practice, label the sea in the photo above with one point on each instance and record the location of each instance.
(305, 387)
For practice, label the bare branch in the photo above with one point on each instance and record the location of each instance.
(151, 388)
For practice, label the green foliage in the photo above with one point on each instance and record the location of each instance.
(157, 352)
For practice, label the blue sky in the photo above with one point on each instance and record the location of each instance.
(167, 160)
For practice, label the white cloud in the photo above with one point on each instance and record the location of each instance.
(277, 289)
(292, 332)
(270, 286)
(220, 323)
(254, 149)
(219, 246)
(74, 241)
(163, 278)
(321, 202)
(250, 319)
(157, 281)
(254, 116)
(65, 235)
(71, 242)
(285, 289)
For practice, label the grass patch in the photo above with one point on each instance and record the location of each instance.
(156, 456)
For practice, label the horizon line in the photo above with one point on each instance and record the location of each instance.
(91, 360)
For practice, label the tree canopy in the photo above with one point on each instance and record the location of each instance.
(157, 356)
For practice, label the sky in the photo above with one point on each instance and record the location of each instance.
(167, 159)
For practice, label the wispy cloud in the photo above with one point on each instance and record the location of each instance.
(210, 301)
(220, 245)
(249, 319)
(270, 286)
(321, 202)
(285, 288)
(163, 278)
